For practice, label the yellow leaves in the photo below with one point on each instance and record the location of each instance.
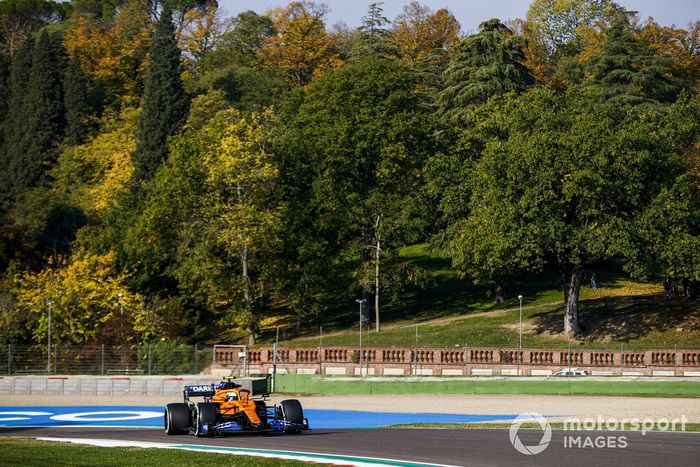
(109, 157)
(418, 33)
(84, 296)
(302, 48)
(592, 41)
(240, 176)
(113, 55)
(679, 45)
(199, 32)
(240, 163)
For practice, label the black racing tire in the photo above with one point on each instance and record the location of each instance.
(261, 410)
(293, 413)
(177, 419)
(204, 413)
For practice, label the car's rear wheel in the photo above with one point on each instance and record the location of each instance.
(176, 419)
(292, 413)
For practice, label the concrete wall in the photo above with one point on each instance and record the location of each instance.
(105, 386)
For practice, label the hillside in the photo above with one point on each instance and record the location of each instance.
(455, 312)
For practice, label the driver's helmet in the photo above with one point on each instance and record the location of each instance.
(231, 396)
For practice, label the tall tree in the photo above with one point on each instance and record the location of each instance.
(485, 64)
(373, 33)
(302, 48)
(85, 293)
(559, 22)
(200, 34)
(20, 18)
(668, 233)
(352, 151)
(41, 123)
(5, 65)
(243, 213)
(681, 46)
(629, 72)
(15, 142)
(423, 39)
(164, 105)
(242, 44)
(561, 183)
(113, 51)
(237, 65)
(75, 95)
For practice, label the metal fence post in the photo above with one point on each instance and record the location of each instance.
(196, 369)
(55, 359)
(9, 359)
(102, 360)
(274, 365)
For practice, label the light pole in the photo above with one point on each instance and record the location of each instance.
(520, 337)
(48, 349)
(361, 302)
(121, 319)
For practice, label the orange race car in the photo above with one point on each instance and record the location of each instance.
(227, 408)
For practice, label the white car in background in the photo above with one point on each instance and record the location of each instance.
(571, 372)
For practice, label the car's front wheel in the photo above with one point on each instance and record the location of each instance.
(292, 413)
(204, 416)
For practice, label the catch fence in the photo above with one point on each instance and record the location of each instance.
(104, 360)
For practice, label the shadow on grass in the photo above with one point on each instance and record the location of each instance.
(626, 319)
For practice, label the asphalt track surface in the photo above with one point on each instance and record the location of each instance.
(472, 447)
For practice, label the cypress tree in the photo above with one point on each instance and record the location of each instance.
(76, 102)
(4, 96)
(14, 134)
(44, 122)
(164, 105)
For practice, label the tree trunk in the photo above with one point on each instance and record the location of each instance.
(572, 287)
(246, 292)
(498, 291)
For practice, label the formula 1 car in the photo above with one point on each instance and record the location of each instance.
(227, 408)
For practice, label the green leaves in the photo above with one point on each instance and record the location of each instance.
(627, 71)
(164, 104)
(485, 64)
(565, 181)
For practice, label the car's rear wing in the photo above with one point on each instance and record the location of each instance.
(200, 391)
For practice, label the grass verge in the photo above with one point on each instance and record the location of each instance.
(30, 452)
(311, 384)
